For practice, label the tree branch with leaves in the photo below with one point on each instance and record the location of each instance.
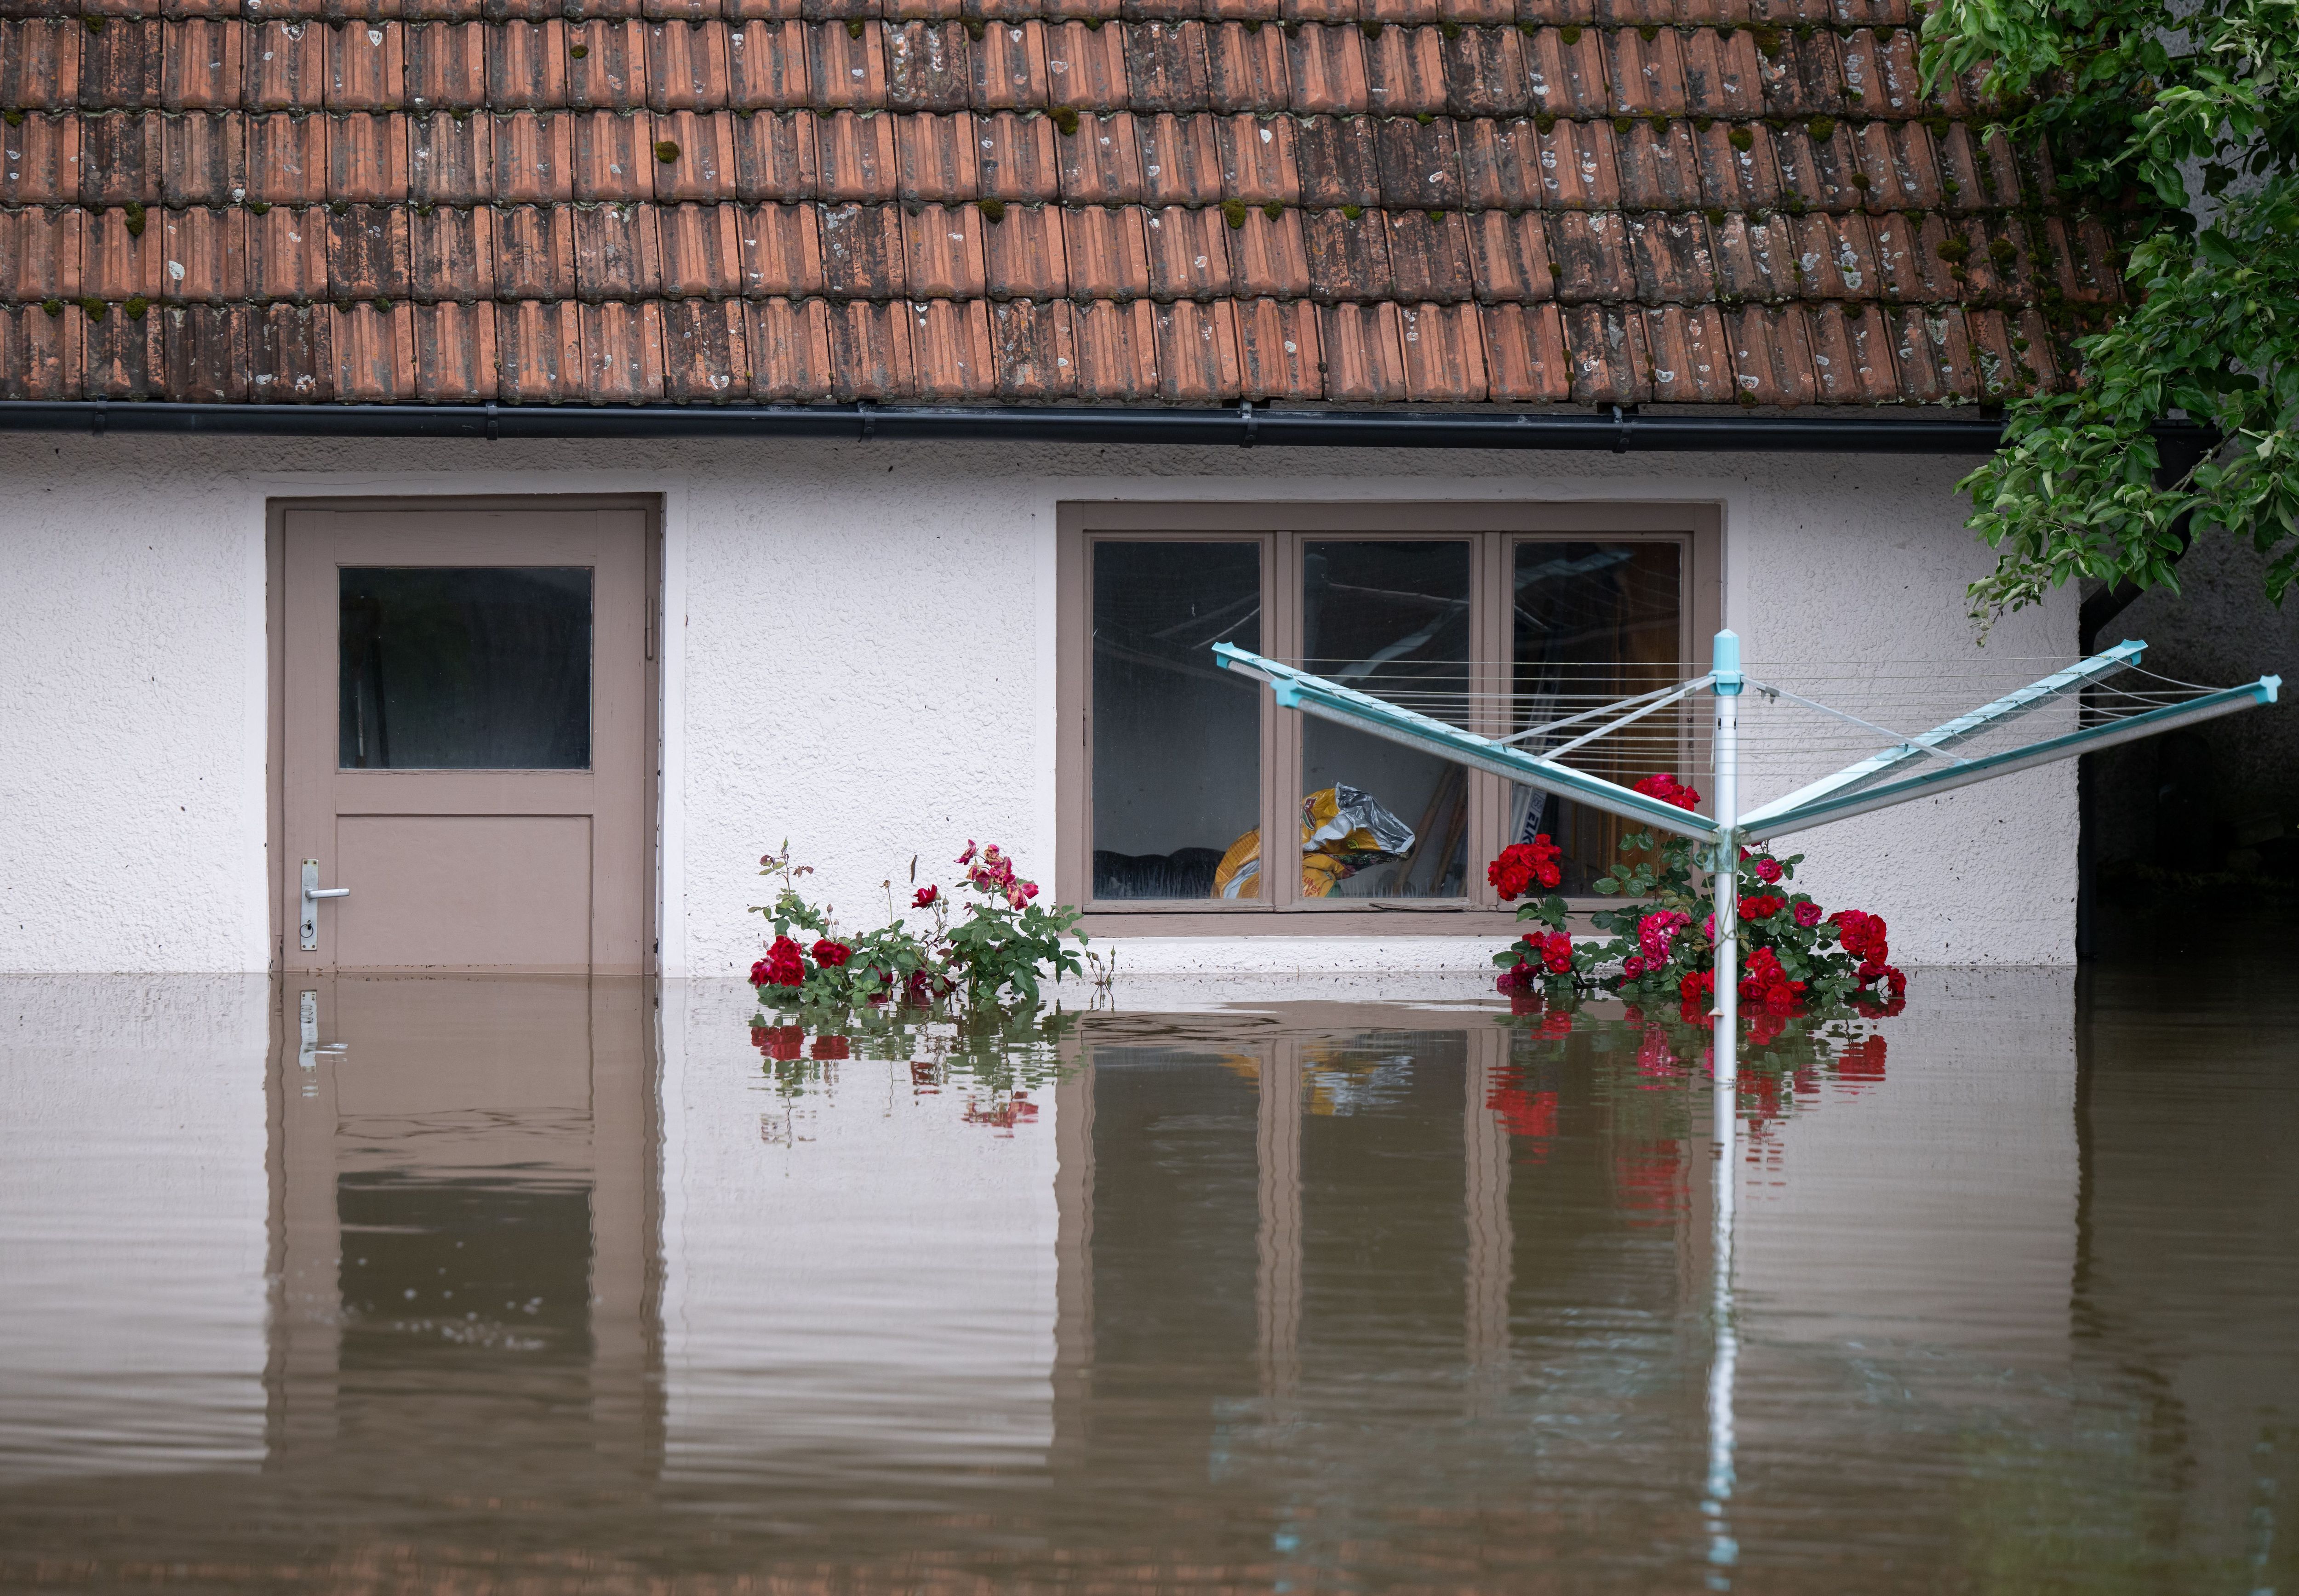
(2184, 121)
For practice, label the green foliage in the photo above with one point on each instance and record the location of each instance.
(2181, 122)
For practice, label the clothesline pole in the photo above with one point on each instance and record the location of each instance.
(1725, 889)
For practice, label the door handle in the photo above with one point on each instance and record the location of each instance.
(308, 926)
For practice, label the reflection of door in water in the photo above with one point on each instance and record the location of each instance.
(465, 726)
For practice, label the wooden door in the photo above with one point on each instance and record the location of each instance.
(465, 739)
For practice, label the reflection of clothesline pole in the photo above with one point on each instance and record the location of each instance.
(1723, 1368)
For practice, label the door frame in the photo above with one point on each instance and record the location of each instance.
(274, 668)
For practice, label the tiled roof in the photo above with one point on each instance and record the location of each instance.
(1128, 202)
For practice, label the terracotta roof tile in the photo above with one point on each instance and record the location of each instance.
(1909, 259)
(1165, 66)
(847, 65)
(606, 62)
(1086, 67)
(1509, 257)
(1754, 258)
(1020, 161)
(1117, 351)
(366, 67)
(950, 351)
(375, 353)
(1590, 252)
(367, 253)
(120, 355)
(1102, 162)
(1189, 257)
(1420, 163)
(452, 254)
(1010, 66)
(1326, 67)
(367, 157)
(40, 253)
(1647, 74)
(1674, 262)
(776, 156)
(1485, 73)
(1897, 160)
(1269, 256)
(700, 256)
(287, 253)
(858, 155)
(945, 253)
(1690, 362)
(1568, 80)
(1851, 355)
(1348, 256)
(40, 63)
(1579, 169)
(1892, 76)
(1610, 363)
(1363, 347)
(533, 158)
(1474, 14)
(1444, 354)
(1404, 72)
(1023, 254)
(1035, 347)
(1181, 160)
(1817, 171)
(1525, 357)
(204, 66)
(202, 160)
(700, 150)
(1429, 256)
(1246, 69)
(455, 356)
(1659, 168)
(688, 66)
(1933, 352)
(204, 351)
(287, 67)
(1279, 355)
(1835, 257)
(1801, 75)
(39, 161)
(118, 259)
(289, 357)
(622, 352)
(1721, 75)
(1108, 252)
(1340, 164)
(780, 249)
(202, 256)
(120, 157)
(617, 252)
(1198, 358)
(1406, 13)
(862, 251)
(614, 156)
(448, 66)
(1259, 161)
(928, 67)
(935, 157)
(1500, 164)
(1319, 11)
(790, 350)
(1772, 356)
(767, 66)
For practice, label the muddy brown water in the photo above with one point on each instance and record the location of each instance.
(552, 1287)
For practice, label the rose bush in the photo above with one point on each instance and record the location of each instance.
(997, 950)
(1794, 958)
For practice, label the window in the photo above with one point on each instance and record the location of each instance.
(1499, 618)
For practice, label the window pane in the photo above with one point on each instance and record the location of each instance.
(1176, 740)
(1390, 619)
(465, 667)
(1595, 621)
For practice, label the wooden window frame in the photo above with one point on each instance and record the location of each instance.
(1281, 529)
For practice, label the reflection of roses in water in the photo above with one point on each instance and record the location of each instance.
(778, 1042)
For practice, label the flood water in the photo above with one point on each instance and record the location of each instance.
(541, 1286)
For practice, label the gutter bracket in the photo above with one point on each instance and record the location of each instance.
(1621, 425)
(1252, 423)
(868, 414)
(494, 425)
(96, 423)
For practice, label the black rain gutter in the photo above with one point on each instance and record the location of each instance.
(1617, 431)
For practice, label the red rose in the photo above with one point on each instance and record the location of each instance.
(1762, 905)
(1523, 863)
(829, 1047)
(1632, 967)
(1556, 953)
(1768, 870)
(781, 967)
(1669, 790)
(1807, 914)
(831, 954)
(926, 897)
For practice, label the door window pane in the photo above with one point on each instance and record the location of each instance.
(1176, 740)
(1390, 619)
(1595, 621)
(465, 667)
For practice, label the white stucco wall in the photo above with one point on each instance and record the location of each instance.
(860, 659)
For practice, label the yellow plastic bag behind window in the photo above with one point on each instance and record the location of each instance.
(1343, 830)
